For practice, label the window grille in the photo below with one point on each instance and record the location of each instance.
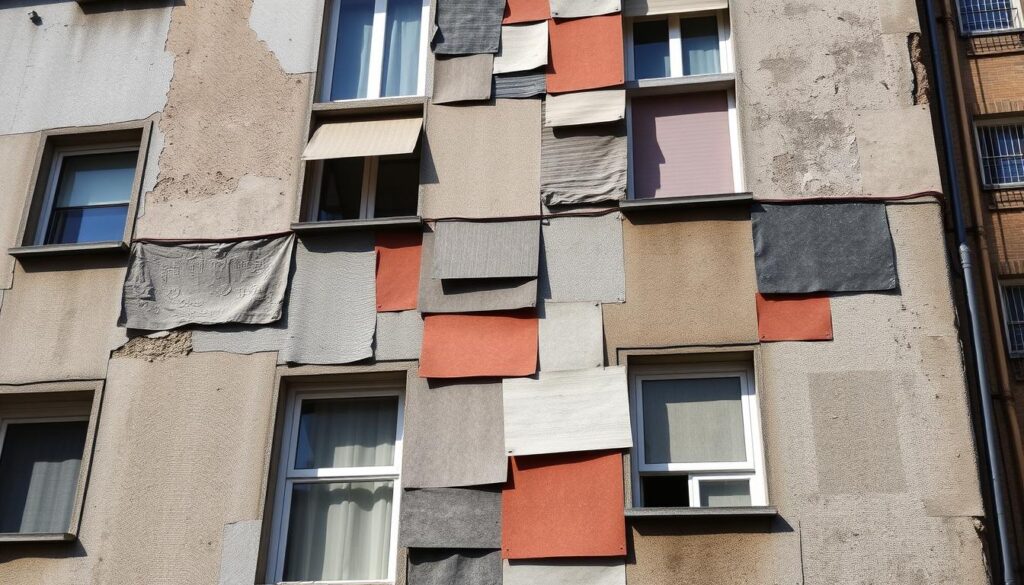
(1002, 154)
(1013, 313)
(979, 16)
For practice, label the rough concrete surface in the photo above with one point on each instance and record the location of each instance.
(59, 320)
(159, 496)
(156, 346)
(689, 281)
(17, 158)
(291, 31)
(232, 129)
(82, 67)
(805, 68)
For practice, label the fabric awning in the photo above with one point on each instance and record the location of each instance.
(364, 138)
(652, 7)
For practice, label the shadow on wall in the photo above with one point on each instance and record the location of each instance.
(701, 528)
(41, 550)
(93, 6)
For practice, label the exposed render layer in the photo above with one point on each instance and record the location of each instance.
(82, 65)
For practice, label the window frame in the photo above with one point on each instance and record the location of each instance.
(376, 57)
(53, 180)
(367, 196)
(980, 149)
(752, 468)
(1003, 285)
(55, 402)
(41, 191)
(1015, 16)
(675, 43)
(288, 476)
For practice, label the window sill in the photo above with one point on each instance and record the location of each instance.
(743, 512)
(371, 106)
(111, 247)
(992, 33)
(37, 537)
(312, 227)
(687, 201)
(672, 85)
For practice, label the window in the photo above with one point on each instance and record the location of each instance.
(40, 463)
(697, 437)
(677, 45)
(979, 16)
(375, 48)
(368, 187)
(1001, 149)
(336, 517)
(1013, 317)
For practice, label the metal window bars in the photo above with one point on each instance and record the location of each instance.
(1002, 154)
(987, 16)
(1013, 299)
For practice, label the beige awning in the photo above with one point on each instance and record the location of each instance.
(651, 7)
(364, 138)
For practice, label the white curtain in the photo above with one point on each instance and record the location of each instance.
(352, 50)
(402, 48)
(700, 45)
(696, 420)
(39, 468)
(354, 432)
(339, 531)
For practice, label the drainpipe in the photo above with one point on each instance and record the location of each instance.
(988, 418)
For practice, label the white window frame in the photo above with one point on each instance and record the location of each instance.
(368, 192)
(675, 43)
(979, 148)
(376, 59)
(1003, 285)
(6, 422)
(1015, 17)
(288, 476)
(751, 469)
(57, 166)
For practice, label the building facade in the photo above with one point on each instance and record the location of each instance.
(466, 291)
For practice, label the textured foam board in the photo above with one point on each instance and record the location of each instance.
(468, 26)
(794, 318)
(467, 249)
(520, 85)
(451, 518)
(479, 344)
(462, 78)
(581, 259)
(523, 47)
(398, 336)
(586, 53)
(454, 567)
(583, 164)
(565, 572)
(571, 336)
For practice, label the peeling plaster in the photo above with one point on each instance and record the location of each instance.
(157, 346)
(290, 30)
(81, 69)
(231, 128)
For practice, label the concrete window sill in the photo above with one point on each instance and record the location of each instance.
(688, 201)
(37, 537)
(371, 106)
(312, 227)
(112, 247)
(744, 512)
(687, 84)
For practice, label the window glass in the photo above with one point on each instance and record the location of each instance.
(353, 432)
(39, 468)
(694, 420)
(1002, 153)
(91, 199)
(666, 491)
(988, 15)
(722, 493)
(400, 75)
(339, 531)
(398, 184)
(1014, 301)
(650, 49)
(341, 189)
(700, 45)
(352, 50)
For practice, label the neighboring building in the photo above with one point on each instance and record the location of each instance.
(982, 45)
(293, 294)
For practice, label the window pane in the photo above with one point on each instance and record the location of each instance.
(347, 432)
(666, 491)
(96, 179)
(1002, 155)
(988, 15)
(339, 531)
(1014, 301)
(87, 224)
(401, 48)
(696, 420)
(700, 45)
(352, 50)
(39, 468)
(398, 185)
(341, 189)
(724, 493)
(650, 49)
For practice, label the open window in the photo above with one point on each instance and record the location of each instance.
(363, 169)
(697, 437)
(374, 49)
(678, 45)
